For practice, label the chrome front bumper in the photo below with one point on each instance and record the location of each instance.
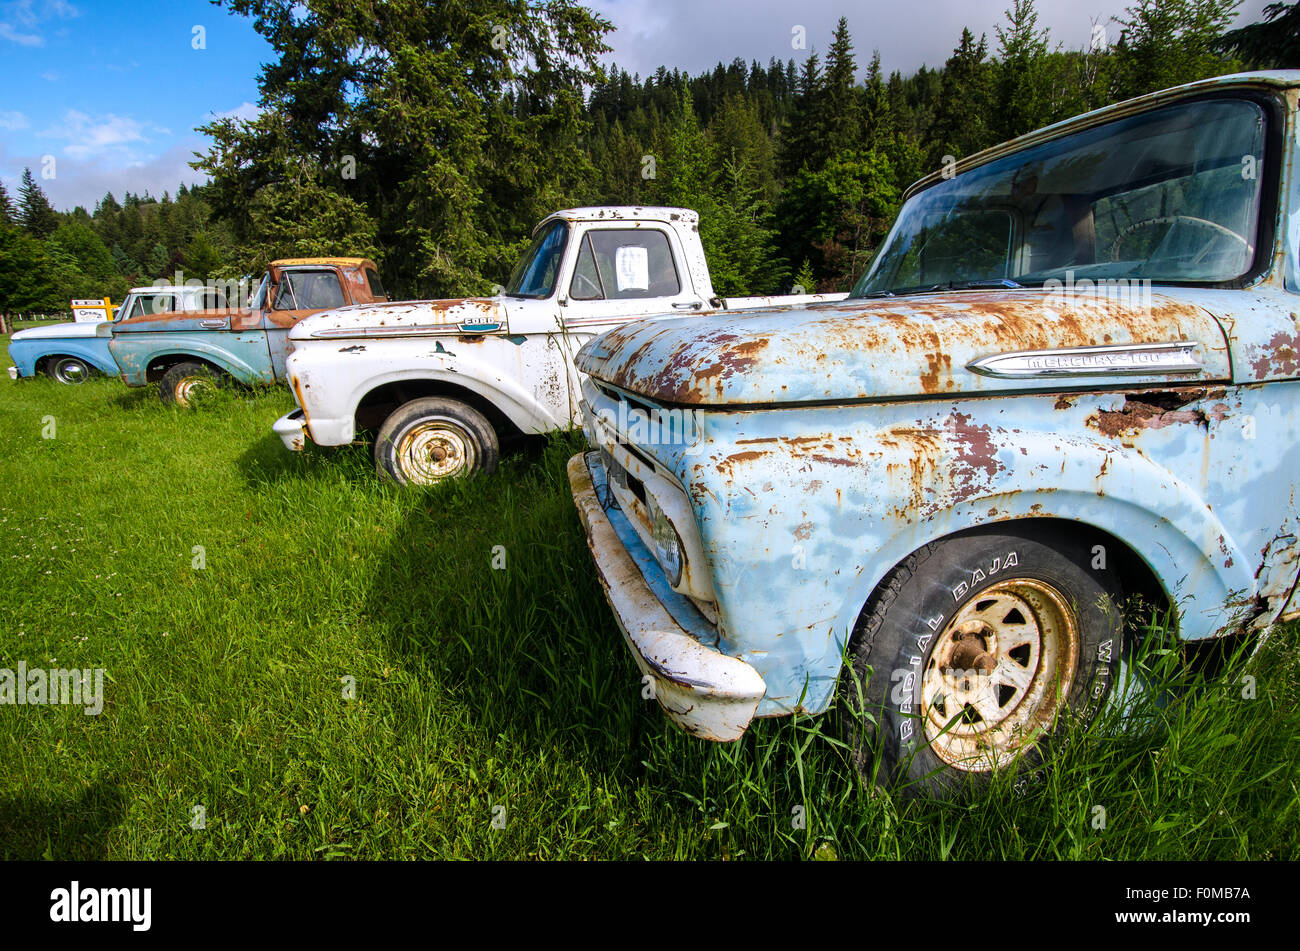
(704, 691)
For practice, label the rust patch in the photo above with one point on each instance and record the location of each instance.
(938, 364)
(1154, 410)
(728, 464)
(980, 454)
(1280, 358)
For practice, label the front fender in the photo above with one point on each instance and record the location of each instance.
(801, 528)
(27, 353)
(524, 381)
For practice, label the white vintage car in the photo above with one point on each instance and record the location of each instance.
(444, 382)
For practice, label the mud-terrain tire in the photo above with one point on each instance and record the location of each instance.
(68, 370)
(188, 384)
(974, 654)
(428, 440)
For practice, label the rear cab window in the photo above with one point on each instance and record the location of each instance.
(146, 305)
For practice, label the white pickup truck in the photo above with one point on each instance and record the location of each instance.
(444, 382)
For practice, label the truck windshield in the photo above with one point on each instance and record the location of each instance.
(1171, 195)
(535, 274)
(259, 298)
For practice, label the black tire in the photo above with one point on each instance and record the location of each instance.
(187, 384)
(428, 440)
(939, 652)
(68, 370)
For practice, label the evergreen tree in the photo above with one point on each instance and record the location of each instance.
(35, 213)
(960, 123)
(202, 260)
(1166, 43)
(1272, 43)
(123, 262)
(6, 207)
(1021, 99)
(800, 130)
(841, 118)
(156, 263)
(452, 128)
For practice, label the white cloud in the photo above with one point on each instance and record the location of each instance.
(9, 32)
(84, 181)
(12, 120)
(21, 20)
(245, 111)
(106, 135)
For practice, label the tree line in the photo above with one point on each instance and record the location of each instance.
(431, 137)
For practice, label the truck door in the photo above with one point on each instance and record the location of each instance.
(299, 293)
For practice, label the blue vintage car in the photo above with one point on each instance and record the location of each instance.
(1070, 377)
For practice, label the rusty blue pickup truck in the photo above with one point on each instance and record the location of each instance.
(1069, 379)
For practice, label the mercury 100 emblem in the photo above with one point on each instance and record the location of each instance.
(1180, 356)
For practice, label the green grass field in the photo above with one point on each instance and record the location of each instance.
(497, 713)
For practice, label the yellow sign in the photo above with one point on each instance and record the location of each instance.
(90, 311)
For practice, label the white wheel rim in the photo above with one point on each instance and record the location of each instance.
(999, 673)
(433, 450)
(190, 387)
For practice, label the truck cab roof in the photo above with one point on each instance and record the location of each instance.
(622, 213)
(1259, 80)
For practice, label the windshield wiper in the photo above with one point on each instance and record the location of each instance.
(981, 285)
(995, 284)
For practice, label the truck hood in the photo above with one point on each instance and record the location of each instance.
(81, 329)
(405, 319)
(914, 346)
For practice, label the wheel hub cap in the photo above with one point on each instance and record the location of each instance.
(188, 390)
(69, 372)
(433, 451)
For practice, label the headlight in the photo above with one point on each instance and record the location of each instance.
(668, 547)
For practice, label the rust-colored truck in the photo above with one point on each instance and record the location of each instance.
(186, 351)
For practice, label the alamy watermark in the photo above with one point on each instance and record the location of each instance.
(39, 686)
(1123, 292)
(215, 294)
(654, 427)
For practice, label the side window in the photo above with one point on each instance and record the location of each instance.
(147, 305)
(586, 277)
(308, 290)
(962, 245)
(625, 264)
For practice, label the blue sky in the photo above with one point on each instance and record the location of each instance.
(114, 90)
